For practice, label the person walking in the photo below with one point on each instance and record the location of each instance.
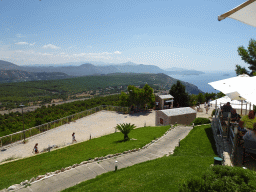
(35, 148)
(73, 138)
(206, 109)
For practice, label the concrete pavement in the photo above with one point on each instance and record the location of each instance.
(69, 178)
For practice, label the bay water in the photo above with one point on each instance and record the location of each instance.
(202, 80)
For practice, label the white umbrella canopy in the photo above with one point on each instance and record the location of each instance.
(229, 85)
(245, 13)
(221, 100)
(243, 84)
(235, 104)
(248, 90)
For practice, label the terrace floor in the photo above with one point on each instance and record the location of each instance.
(250, 159)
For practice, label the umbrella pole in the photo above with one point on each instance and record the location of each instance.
(246, 109)
(241, 107)
(250, 106)
(215, 107)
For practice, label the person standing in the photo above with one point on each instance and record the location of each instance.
(157, 103)
(209, 102)
(73, 138)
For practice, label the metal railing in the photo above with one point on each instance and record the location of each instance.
(218, 135)
(241, 111)
(18, 136)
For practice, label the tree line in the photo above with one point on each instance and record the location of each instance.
(12, 122)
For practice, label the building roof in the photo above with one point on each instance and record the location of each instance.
(166, 96)
(178, 111)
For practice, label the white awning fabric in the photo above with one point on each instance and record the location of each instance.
(245, 13)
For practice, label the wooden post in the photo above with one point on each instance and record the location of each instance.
(11, 138)
(1, 142)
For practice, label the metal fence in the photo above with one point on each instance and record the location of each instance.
(218, 133)
(18, 136)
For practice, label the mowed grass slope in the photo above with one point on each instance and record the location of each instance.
(192, 158)
(17, 171)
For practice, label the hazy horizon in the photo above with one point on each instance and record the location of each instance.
(128, 63)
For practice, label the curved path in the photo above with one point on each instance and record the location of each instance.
(71, 177)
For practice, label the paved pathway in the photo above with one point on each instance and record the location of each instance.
(204, 114)
(69, 178)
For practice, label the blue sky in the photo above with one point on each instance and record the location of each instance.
(167, 34)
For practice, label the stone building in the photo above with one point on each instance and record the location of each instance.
(182, 115)
(164, 101)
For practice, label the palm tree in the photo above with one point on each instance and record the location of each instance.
(125, 128)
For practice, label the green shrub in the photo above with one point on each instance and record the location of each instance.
(125, 128)
(200, 121)
(222, 178)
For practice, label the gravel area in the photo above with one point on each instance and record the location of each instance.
(96, 125)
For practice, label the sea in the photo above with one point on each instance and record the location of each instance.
(202, 80)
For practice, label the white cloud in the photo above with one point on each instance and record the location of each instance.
(32, 44)
(21, 43)
(117, 52)
(20, 35)
(45, 54)
(50, 46)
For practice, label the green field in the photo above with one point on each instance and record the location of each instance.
(24, 169)
(191, 159)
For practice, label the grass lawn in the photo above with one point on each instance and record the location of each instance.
(192, 158)
(24, 169)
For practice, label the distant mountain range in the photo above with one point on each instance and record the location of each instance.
(69, 70)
